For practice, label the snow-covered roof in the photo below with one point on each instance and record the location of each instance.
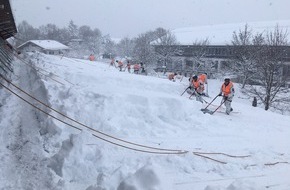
(222, 34)
(116, 40)
(47, 44)
(11, 41)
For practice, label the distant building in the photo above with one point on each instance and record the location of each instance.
(51, 47)
(219, 50)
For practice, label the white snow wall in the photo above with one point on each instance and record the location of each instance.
(27, 152)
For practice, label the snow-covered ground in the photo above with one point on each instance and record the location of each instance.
(137, 112)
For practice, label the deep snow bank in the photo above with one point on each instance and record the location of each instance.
(150, 111)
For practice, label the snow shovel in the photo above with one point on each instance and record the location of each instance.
(205, 110)
(212, 112)
(185, 90)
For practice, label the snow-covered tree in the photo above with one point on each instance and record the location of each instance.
(64, 35)
(85, 33)
(244, 55)
(73, 30)
(271, 90)
(198, 54)
(26, 32)
(125, 47)
(96, 41)
(91, 41)
(46, 32)
(50, 32)
(143, 51)
(165, 47)
(109, 47)
(160, 32)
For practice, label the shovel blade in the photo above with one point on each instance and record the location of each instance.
(206, 111)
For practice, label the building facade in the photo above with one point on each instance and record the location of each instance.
(215, 56)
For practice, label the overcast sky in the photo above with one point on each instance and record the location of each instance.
(128, 18)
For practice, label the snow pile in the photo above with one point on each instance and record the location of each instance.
(251, 145)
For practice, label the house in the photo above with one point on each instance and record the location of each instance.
(51, 47)
(75, 42)
(218, 51)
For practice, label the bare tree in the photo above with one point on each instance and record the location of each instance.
(165, 47)
(125, 47)
(271, 89)
(143, 51)
(198, 53)
(160, 32)
(244, 55)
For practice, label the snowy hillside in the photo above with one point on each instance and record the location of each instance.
(115, 130)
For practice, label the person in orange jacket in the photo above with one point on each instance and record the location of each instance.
(136, 68)
(171, 76)
(197, 85)
(128, 66)
(227, 91)
(112, 63)
(203, 78)
(120, 64)
(92, 57)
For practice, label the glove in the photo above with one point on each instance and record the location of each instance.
(220, 94)
(225, 97)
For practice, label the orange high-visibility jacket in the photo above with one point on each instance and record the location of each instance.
(136, 67)
(203, 78)
(171, 76)
(120, 64)
(92, 58)
(227, 89)
(198, 85)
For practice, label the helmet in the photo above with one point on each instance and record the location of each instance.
(194, 77)
(227, 79)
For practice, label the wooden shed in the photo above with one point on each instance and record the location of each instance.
(7, 23)
(7, 30)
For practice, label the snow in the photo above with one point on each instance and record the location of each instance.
(116, 40)
(47, 44)
(222, 34)
(39, 152)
